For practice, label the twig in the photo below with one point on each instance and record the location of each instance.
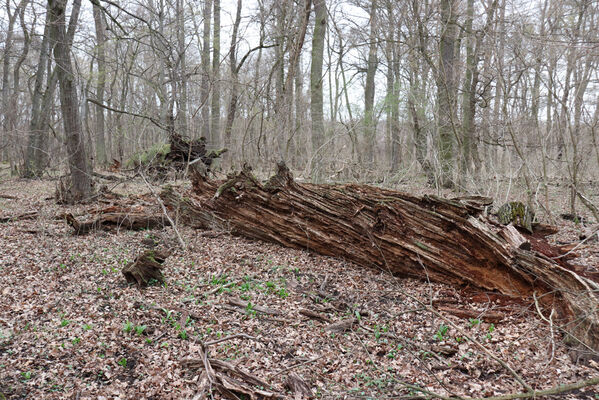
(549, 321)
(236, 336)
(215, 290)
(547, 392)
(577, 246)
(181, 242)
(292, 367)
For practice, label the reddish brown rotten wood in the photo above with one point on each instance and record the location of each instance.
(448, 241)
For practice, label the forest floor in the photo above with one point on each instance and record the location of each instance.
(71, 327)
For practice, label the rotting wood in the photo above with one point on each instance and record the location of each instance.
(145, 268)
(298, 387)
(342, 326)
(19, 217)
(487, 316)
(314, 315)
(515, 238)
(227, 378)
(112, 220)
(425, 237)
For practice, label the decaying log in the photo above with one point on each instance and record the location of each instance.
(145, 268)
(111, 220)
(231, 381)
(342, 326)
(19, 217)
(182, 149)
(487, 316)
(515, 238)
(428, 237)
(298, 387)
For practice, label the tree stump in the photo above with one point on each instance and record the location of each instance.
(145, 268)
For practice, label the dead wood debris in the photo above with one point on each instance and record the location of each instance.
(401, 233)
(253, 307)
(487, 316)
(314, 315)
(145, 268)
(298, 387)
(116, 220)
(342, 326)
(231, 381)
(19, 217)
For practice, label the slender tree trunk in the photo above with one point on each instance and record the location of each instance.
(446, 91)
(35, 148)
(369, 119)
(316, 92)
(232, 109)
(468, 94)
(8, 44)
(13, 111)
(396, 155)
(206, 84)
(80, 177)
(99, 133)
(182, 125)
(215, 106)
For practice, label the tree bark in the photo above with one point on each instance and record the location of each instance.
(205, 86)
(34, 164)
(446, 90)
(101, 156)
(425, 237)
(232, 109)
(369, 89)
(80, 177)
(215, 105)
(316, 96)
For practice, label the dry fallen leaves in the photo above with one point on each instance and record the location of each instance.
(71, 327)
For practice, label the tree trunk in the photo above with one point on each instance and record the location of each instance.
(215, 106)
(446, 91)
(182, 126)
(205, 88)
(13, 110)
(316, 96)
(369, 119)
(35, 149)
(80, 178)
(100, 85)
(232, 110)
(425, 237)
(8, 44)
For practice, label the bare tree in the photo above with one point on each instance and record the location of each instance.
(80, 180)
(316, 95)
(101, 156)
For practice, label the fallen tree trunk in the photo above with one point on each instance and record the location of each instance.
(117, 220)
(425, 237)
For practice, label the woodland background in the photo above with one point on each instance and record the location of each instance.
(471, 95)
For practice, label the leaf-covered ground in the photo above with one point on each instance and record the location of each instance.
(70, 326)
